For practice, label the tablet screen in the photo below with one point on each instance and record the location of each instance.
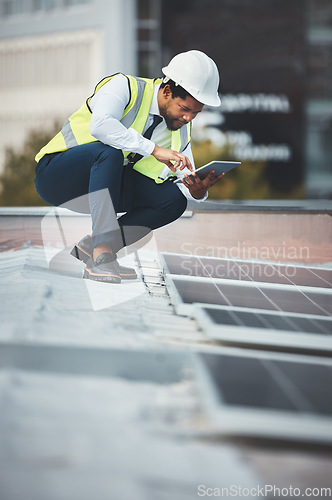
(220, 167)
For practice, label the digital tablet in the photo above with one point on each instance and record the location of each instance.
(220, 167)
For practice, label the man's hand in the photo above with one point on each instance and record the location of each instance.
(167, 156)
(198, 187)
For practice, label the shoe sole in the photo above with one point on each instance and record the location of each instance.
(106, 278)
(80, 254)
(131, 276)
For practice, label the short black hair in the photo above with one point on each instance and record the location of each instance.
(177, 90)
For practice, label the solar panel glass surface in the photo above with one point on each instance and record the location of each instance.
(270, 321)
(267, 394)
(259, 297)
(235, 269)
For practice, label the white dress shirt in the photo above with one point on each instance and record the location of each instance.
(107, 107)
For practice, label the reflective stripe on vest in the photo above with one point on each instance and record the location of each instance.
(76, 130)
(128, 119)
(68, 135)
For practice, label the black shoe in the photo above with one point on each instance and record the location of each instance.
(83, 251)
(104, 268)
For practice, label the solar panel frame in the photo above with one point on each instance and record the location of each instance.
(180, 307)
(242, 420)
(287, 338)
(256, 293)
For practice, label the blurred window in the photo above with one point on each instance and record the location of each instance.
(319, 103)
(63, 59)
(43, 4)
(149, 37)
(14, 7)
(68, 3)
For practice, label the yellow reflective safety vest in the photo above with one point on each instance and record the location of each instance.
(76, 130)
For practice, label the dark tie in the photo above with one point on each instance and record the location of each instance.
(147, 134)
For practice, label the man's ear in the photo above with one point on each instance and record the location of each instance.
(167, 91)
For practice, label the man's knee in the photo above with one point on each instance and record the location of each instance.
(175, 207)
(181, 204)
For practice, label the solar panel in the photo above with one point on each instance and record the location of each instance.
(267, 328)
(235, 269)
(267, 394)
(186, 291)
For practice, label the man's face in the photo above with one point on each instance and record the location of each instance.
(177, 112)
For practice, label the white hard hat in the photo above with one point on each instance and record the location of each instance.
(197, 73)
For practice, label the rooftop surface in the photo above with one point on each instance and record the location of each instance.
(102, 393)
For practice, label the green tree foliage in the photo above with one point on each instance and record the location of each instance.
(17, 187)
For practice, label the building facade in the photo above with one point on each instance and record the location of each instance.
(275, 59)
(52, 54)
